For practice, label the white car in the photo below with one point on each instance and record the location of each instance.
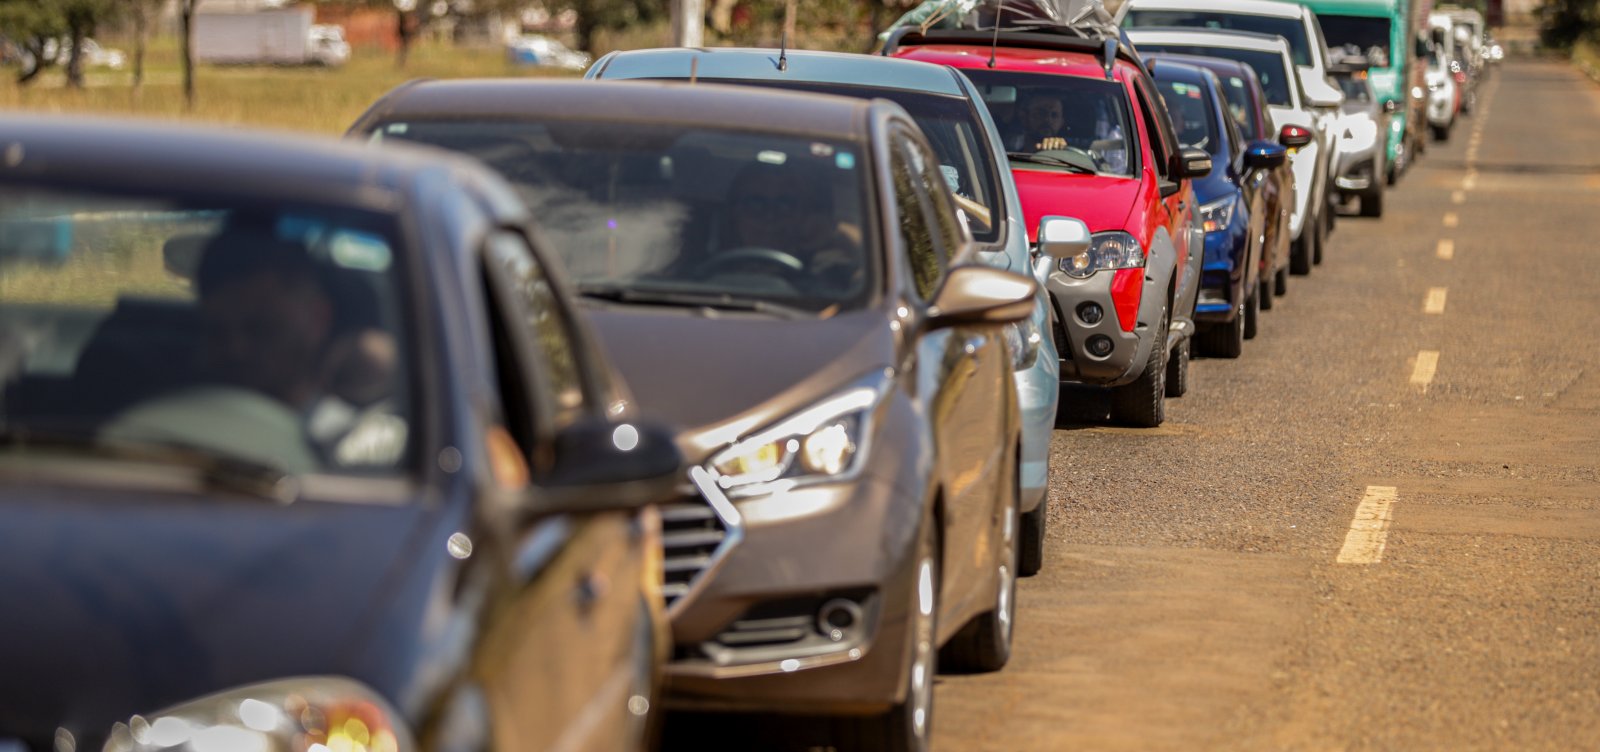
(1298, 26)
(325, 45)
(533, 49)
(1310, 159)
(1446, 77)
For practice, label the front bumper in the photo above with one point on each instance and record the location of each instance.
(1360, 173)
(749, 633)
(1076, 330)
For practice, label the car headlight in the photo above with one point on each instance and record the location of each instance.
(315, 714)
(823, 442)
(1218, 214)
(1107, 250)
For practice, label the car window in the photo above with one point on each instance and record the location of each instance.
(1291, 29)
(915, 226)
(1366, 33)
(547, 320)
(1236, 91)
(1353, 86)
(1089, 118)
(957, 136)
(947, 229)
(1275, 77)
(670, 213)
(272, 334)
(1152, 125)
(1190, 109)
(1236, 140)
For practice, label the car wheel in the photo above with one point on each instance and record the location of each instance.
(984, 644)
(1326, 229)
(1030, 551)
(1178, 369)
(1264, 295)
(1372, 202)
(1142, 404)
(1252, 316)
(1304, 247)
(908, 726)
(1280, 283)
(1441, 133)
(1224, 340)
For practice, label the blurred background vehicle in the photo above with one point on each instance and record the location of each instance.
(286, 464)
(1446, 77)
(248, 35)
(537, 50)
(1361, 163)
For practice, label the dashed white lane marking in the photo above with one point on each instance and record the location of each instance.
(1447, 249)
(1434, 303)
(1427, 365)
(1451, 220)
(1369, 531)
(1470, 181)
(1458, 197)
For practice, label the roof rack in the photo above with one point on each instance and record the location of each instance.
(1073, 25)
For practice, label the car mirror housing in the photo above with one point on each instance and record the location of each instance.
(1063, 237)
(600, 466)
(1265, 155)
(1294, 136)
(975, 294)
(1194, 163)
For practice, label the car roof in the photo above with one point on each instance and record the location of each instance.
(800, 65)
(119, 155)
(1240, 7)
(691, 104)
(1211, 63)
(1242, 40)
(1177, 70)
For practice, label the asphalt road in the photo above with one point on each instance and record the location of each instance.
(1194, 598)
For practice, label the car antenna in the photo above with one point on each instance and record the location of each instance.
(783, 52)
(995, 43)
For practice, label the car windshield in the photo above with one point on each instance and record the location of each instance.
(688, 211)
(1269, 67)
(1364, 32)
(1354, 87)
(1291, 29)
(1237, 91)
(267, 335)
(956, 135)
(1051, 122)
(1191, 115)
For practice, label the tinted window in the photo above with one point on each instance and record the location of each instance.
(1152, 124)
(1291, 29)
(1237, 91)
(548, 323)
(916, 232)
(957, 137)
(1090, 116)
(1190, 109)
(1269, 67)
(1355, 89)
(271, 333)
(947, 227)
(679, 213)
(1365, 33)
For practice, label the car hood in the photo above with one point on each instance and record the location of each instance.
(1104, 203)
(719, 378)
(136, 602)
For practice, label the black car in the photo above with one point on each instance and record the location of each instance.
(301, 447)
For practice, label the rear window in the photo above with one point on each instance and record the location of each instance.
(1269, 67)
(1291, 29)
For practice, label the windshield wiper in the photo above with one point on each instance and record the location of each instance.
(216, 471)
(713, 300)
(1036, 158)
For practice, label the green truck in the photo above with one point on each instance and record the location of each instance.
(1390, 25)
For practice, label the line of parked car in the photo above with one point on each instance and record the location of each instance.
(724, 380)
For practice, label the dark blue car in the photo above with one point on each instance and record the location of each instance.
(1233, 205)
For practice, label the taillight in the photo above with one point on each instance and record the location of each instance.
(1294, 136)
(1461, 77)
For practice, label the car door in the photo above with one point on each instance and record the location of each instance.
(572, 661)
(965, 372)
(1175, 214)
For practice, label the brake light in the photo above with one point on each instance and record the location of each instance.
(1461, 77)
(1294, 136)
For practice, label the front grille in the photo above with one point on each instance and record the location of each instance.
(692, 534)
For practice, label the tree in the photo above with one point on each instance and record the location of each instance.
(81, 18)
(36, 27)
(186, 10)
(142, 12)
(609, 15)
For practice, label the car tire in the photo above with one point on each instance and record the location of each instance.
(1142, 404)
(1178, 369)
(1280, 283)
(1030, 550)
(908, 726)
(1224, 340)
(1328, 213)
(1441, 133)
(1304, 248)
(1372, 202)
(1252, 316)
(1264, 295)
(984, 644)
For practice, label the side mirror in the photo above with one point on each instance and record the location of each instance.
(1390, 106)
(974, 294)
(1193, 163)
(1294, 136)
(1265, 155)
(600, 466)
(1063, 237)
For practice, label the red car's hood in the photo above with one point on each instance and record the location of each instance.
(1103, 203)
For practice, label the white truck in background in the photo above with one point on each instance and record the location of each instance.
(275, 36)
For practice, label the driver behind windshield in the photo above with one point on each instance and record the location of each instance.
(783, 219)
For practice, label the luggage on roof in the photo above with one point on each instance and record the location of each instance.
(1086, 16)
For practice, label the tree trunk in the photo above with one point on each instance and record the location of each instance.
(586, 30)
(187, 32)
(402, 28)
(35, 50)
(75, 35)
(141, 35)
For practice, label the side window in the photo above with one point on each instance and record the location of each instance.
(941, 207)
(1235, 136)
(1154, 133)
(546, 320)
(916, 231)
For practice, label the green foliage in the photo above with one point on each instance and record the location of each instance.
(1567, 22)
(609, 15)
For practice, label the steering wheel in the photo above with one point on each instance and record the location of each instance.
(780, 261)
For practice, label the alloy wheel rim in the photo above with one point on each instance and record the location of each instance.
(922, 647)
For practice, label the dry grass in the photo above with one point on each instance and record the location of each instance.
(1586, 55)
(300, 99)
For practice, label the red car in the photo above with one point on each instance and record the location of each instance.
(1089, 137)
